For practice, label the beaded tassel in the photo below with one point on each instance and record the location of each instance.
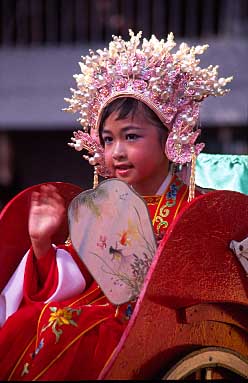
(95, 182)
(192, 178)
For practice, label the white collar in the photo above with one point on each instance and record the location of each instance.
(165, 184)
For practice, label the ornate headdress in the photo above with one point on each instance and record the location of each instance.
(171, 84)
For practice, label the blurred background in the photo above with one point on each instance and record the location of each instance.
(41, 42)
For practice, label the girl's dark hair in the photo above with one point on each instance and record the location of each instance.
(128, 106)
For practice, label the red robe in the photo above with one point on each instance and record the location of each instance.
(73, 339)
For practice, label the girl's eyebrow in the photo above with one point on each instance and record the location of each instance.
(124, 129)
(106, 131)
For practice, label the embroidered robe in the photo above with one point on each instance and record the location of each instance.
(71, 339)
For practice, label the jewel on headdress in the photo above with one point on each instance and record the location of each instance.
(172, 84)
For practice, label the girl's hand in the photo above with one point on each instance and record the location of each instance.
(47, 211)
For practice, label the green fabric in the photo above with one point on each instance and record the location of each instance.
(222, 172)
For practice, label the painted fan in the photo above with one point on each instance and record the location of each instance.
(111, 230)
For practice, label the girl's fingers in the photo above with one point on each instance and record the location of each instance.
(35, 198)
(54, 194)
(49, 195)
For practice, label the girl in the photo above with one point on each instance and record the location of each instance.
(56, 322)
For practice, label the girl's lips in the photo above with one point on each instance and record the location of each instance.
(123, 170)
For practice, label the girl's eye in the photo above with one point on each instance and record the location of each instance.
(132, 136)
(107, 139)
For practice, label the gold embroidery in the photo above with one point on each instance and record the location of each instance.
(68, 242)
(158, 207)
(25, 370)
(170, 204)
(20, 359)
(58, 318)
(69, 345)
(163, 211)
(117, 310)
(98, 299)
(61, 316)
(152, 200)
(84, 296)
(161, 223)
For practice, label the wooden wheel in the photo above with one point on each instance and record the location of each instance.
(208, 364)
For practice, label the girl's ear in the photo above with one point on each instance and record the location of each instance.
(164, 139)
(164, 144)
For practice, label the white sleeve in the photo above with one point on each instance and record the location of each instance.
(70, 282)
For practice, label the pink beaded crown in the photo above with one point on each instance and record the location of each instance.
(171, 84)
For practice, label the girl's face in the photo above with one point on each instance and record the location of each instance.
(134, 152)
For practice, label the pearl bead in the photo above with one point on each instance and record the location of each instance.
(92, 161)
(97, 156)
(222, 81)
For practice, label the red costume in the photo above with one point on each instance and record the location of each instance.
(72, 338)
